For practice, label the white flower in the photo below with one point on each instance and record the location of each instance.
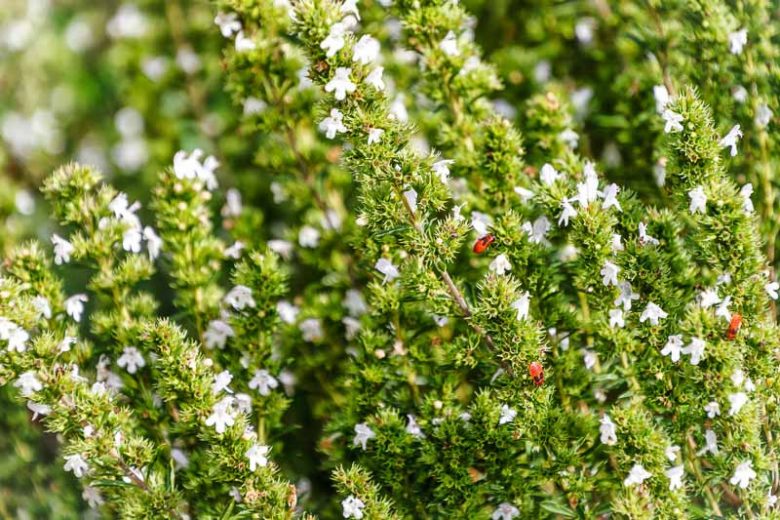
(731, 139)
(335, 39)
(350, 7)
(521, 305)
(524, 194)
(352, 507)
(745, 192)
(411, 197)
(607, 431)
(282, 248)
(644, 238)
(362, 435)
(500, 265)
(710, 444)
(671, 453)
(311, 329)
(507, 415)
(365, 50)
(673, 121)
(38, 409)
(131, 240)
(505, 511)
(659, 172)
(548, 174)
(590, 358)
(588, 190)
(673, 347)
(189, 166)
(637, 475)
(257, 456)
(74, 306)
(626, 296)
(675, 475)
(28, 383)
(763, 115)
(567, 212)
(228, 23)
(153, 243)
(713, 409)
(374, 135)
(308, 237)
(244, 43)
(354, 303)
(92, 497)
(616, 318)
(442, 169)
(662, 98)
(62, 249)
(539, 230)
(263, 382)
(737, 401)
(374, 79)
(617, 243)
(223, 414)
(698, 200)
(449, 45)
(743, 475)
(771, 289)
(610, 197)
(233, 206)
(340, 84)
(737, 40)
(217, 334)
(653, 313)
(412, 428)
(398, 109)
(386, 267)
(333, 124)
(708, 298)
(287, 311)
(570, 137)
(723, 309)
(76, 464)
(221, 382)
(738, 377)
(695, 349)
(609, 273)
(240, 297)
(234, 251)
(131, 359)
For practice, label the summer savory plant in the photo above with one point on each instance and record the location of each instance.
(413, 280)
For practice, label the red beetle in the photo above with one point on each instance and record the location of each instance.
(483, 243)
(536, 371)
(734, 325)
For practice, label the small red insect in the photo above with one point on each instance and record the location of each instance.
(734, 325)
(536, 371)
(483, 243)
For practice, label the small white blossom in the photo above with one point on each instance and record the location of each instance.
(62, 249)
(28, 383)
(263, 382)
(708, 298)
(333, 124)
(335, 39)
(131, 360)
(763, 115)
(505, 511)
(77, 465)
(524, 194)
(386, 267)
(223, 414)
(92, 497)
(362, 435)
(695, 349)
(607, 431)
(500, 265)
(570, 137)
(731, 139)
(352, 507)
(189, 166)
(282, 248)
(743, 475)
(738, 377)
(737, 401)
(507, 415)
(153, 243)
(772, 289)
(244, 43)
(616, 318)
(309, 237)
(698, 200)
(449, 45)
(539, 230)
(375, 135)
(442, 169)
(737, 40)
(548, 174)
(747, 203)
(131, 240)
(713, 409)
(675, 475)
(671, 453)
(617, 243)
(228, 23)
(644, 238)
(662, 98)
(723, 309)
(673, 348)
(411, 197)
(38, 409)
(365, 50)
(626, 296)
(590, 358)
(240, 297)
(710, 444)
(521, 305)
(610, 197)
(257, 454)
(588, 190)
(74, 306)
(217, 334)
(652, 313)
(221, 382)
(354, 303)
(287, 311)
(637, 475)
(567, 212)
(412, 428)
(374, 79)
(311, 330)
(340, 84)
(672, 121)
(234, 251)
(609, 273)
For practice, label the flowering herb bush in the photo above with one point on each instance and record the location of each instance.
(364, 270)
